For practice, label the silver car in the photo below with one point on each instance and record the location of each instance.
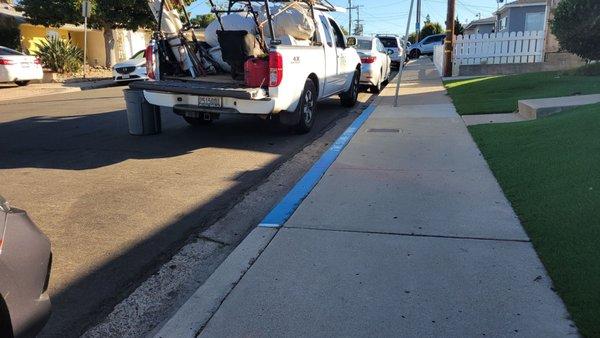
(25, 260)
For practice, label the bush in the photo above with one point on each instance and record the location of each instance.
(60, 55)
(431, 28)
(10, 36)
(577, 27)
(592, 69)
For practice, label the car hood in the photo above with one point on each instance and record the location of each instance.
(131, 63)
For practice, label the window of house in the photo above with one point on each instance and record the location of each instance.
(502, 25)
(534, 21)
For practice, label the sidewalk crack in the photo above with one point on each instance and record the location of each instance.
(413, 234)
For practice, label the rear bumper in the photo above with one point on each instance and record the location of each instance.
(369, 75)
(11, 75)
(230, 105)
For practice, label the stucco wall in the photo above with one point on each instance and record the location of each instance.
(96, 55)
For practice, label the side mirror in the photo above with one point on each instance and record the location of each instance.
(351, 42)
(390, 52)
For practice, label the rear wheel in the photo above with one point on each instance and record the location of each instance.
(350, 97)
(376, 89)
(22, 83)
(415, 54)
(307, 108)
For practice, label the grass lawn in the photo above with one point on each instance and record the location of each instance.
(550, 171)
(500, 94)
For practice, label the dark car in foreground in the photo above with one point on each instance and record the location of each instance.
(25, 260)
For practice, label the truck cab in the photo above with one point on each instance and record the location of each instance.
(297, 74)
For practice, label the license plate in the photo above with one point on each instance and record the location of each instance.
(210, 101)
(126, 76)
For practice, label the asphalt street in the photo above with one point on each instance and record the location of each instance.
(116, 206)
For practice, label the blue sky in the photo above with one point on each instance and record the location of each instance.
(389, 16)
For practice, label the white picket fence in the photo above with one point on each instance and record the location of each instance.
(499, 48)
(438, 58)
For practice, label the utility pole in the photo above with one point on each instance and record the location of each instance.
(350, 8)
(358, 30)
(449, 42)
(418, 24)
(405, 45)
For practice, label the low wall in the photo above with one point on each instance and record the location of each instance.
(512, 68)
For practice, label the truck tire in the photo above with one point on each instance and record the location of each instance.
(21, 83)
(376, 89)
(350, 97)
(415, 54)
(307, 107)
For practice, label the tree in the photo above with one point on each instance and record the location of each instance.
(203, 20)
(107, 15)
(431, 28)
(459, 29)
(576, 25)
(412, 37)
(427, 19)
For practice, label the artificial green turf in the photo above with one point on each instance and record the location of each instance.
(500, 94)
(550, 171)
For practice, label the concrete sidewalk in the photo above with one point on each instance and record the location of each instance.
(407, 234)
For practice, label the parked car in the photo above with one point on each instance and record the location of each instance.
(425, 46)
(19, 68)
(25, 261)
(394, 44)
(286, 83)
(376, 62)
(131, 70)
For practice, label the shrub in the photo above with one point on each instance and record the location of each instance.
(60, 55)
(592, 69)
(431, 28)
(577, 27)
(10, 36)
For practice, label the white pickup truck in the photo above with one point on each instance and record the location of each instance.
(298, 77)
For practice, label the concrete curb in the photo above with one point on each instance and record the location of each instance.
(191, 318)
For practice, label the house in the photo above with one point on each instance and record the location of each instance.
(521, 16)
(127, 42)
(481, 26)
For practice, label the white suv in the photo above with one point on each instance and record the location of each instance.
(425, 46)
(393, 45)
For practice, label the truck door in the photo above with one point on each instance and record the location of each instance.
(344, 69)
(331, 80)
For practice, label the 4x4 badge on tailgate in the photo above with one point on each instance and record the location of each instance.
(296, 59)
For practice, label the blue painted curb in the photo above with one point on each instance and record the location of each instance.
(288, 205)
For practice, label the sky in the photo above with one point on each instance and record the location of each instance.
(390, 16)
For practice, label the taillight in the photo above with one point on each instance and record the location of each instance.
(149, 54)
(368, 59)
(6, 62)
(275, 69)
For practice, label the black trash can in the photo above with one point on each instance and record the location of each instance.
(143, 118)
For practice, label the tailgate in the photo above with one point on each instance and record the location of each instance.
(202, 89)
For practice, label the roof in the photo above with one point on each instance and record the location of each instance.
(485, 21)
(10, 11)
(520, 3)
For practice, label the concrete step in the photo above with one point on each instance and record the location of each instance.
(533, 109)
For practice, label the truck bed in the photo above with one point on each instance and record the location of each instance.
(207, 87)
